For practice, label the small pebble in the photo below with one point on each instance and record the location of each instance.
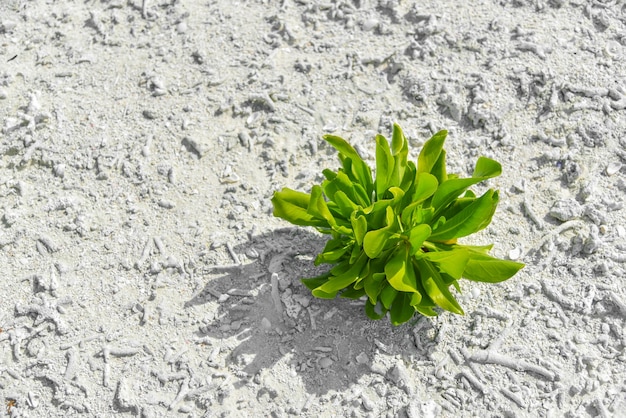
(265, 323)
(59, 170)
(149, 114)
(367, 403)
(370, 24)
(613, 168)
(166, 204)
(565, 210)
(182, 27)
(7, 26)
(362, 358)
(325, 362)
(515, 253)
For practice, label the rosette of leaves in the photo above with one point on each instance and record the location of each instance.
(394, 239)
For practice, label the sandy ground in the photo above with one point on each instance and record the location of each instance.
(141, 144)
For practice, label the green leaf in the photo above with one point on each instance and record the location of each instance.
(439, 168)
(291, 206)
(359, 170)
(484, 268)
(423, 305)
(334, 250)
(345, 204)
(340, 181)
(430, 152)
(352, 293)
(425, 310)
(373, 284)
(416, 298)
(339, 282)
(426, 186)
(399, 271)
(471, 219)
(450, 190)
(417, 235)
(329, 174)
(400, 152)
(314, 282)
(375, 310)
(375, 241)
(356, 253)
(359, 226)
(487, 168)
(436, 289)
(384, 166)
(408, 182)
(318, 208)
(401, 309)
(457, 205)
(451, 262)
(387, 295)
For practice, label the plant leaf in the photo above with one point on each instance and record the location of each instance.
(400, 152)
(430, 152)
(339, 182)
(375, 241)
(384, 166)
(473, 218)
(401, 309)
(451, 262)
(318, 208)
(487, 168)
(426, 186)
(359, 226)
(333, 251)
(291, 206)
(439, 168)
(425, 310)
(452, 188)
(416, 298)
(408, 182)
(373, 284)
(352, 293)
(340, 282)
(399, 271)
(417, 235)
(375, 310)
(345, 204)
(359, 170)
(387, 295)
(485, 268)
(314, 282)
(435, 288)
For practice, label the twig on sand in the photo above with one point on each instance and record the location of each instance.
(488, 357)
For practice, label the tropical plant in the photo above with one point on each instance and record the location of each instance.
(394, 239)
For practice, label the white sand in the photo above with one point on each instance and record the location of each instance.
(140, 147)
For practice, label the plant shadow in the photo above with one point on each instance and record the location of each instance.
(330, 344)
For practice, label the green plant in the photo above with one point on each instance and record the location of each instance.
(394, 239)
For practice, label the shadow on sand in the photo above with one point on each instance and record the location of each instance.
(329, 343)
